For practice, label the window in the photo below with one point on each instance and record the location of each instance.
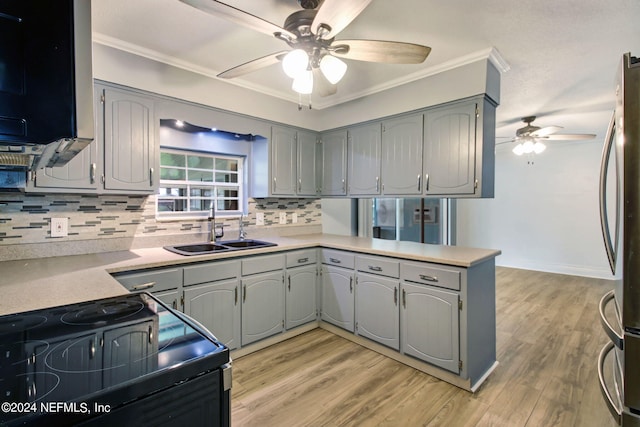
(191, 181)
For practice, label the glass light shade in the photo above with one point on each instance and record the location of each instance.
(333, 68)
(517, 150)
(303, 83)
(539, 147)
(295, 63)
(527, 146)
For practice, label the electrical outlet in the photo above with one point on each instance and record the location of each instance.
(59, 227)
(259, 218)
(294, 218)
(283, 217)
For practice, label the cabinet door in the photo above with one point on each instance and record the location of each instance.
(283, 161)
(301, 296)
(334, 163)
(127, 352)
(338, 297)
(364, 151)
(216, 305)
(307, 172)
(170, 298)
(430, 325)
(262, 306)
(130, 154)
(377, 309)
(450, 150)
(402, 156)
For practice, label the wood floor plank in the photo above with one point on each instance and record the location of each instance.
(548, 339)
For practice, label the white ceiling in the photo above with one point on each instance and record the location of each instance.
(560, 57)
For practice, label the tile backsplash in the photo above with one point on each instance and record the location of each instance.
(26, 218)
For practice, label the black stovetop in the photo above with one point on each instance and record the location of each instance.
(109, 351)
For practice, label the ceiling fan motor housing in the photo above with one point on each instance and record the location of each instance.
(309, 4)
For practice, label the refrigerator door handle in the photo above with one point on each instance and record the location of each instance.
(615, 410)
(614, 336)
(604, 168)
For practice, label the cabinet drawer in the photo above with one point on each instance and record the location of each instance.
(210, 272)
(338, 258)
(151, 281)
(429, 274)
(376, 265)
(305, 257)
(261, 264)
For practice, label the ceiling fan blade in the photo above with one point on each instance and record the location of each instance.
(336, 15)
(546, 131)
(570, 137)
(321, 85)
(238, 16)
(254, 65)
(381, 51)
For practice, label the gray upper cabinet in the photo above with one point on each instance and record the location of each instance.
(364, 153)
(283, 161)
(131, 157)
(307, 171)
(402, 156)
(334, 163)
(459, 149)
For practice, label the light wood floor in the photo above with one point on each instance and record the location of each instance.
(548, 335)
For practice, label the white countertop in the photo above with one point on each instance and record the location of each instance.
(46, 282)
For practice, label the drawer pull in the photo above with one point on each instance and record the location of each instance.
(235, 295)
(375, 268)
(335, 260)
(142, 286)
(429, 278)
(303, 260)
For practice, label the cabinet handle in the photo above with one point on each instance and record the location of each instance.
(351, 284)
(150, 334)
(377, 184)
(299, 184)
(174, 304)
(150, 177)
(426, 182)
(335, 260)
(303, 260)
(92, 349)
(404, 298)
(244, 293)
(344, 188)
(395, 296)
(235, 296)
(419, 181)
(375, 268)
(274, 184)
(92, 173)
(429, 278)
(142, 286)
(289, 280)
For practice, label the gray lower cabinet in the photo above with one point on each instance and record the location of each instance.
(216, 305)
(301, 296)
(338, 297)
(262, 306)
(171, 298)
(430, 325)
(377, 309)
(127, 352)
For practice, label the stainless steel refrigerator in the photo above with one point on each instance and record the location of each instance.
(619, 361)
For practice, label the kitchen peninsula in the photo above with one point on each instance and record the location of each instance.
(429, 306)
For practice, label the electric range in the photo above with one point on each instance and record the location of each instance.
(127, 359)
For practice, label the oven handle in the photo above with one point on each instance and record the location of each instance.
(614, 336)
(615, 410)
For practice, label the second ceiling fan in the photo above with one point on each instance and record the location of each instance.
(313, 60)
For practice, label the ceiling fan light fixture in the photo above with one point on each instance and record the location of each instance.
(527, 146)
(539, 147)
(303, 83)
(295, 63)
(333, 68)
(518, 150)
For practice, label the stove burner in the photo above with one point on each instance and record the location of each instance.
(101, 312)
(15, 323)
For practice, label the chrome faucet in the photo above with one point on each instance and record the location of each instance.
(214, 234)
(241, 233)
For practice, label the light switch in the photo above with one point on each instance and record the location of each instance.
(59, 227)
(294, 218)
(259, 218)
(283, 217)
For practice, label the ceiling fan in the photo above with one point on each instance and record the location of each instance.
(313, 60)
(530, 137)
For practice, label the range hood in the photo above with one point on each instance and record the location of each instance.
(46, 87)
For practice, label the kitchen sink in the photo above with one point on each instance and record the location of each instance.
(210, 248)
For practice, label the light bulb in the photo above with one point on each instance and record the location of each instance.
(295, 62)
(303, 83)
(333, 68)
(517, 150)
(539, 147)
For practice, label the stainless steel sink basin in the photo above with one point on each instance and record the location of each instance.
(197, 249)
(226, 246)
(246, 244)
